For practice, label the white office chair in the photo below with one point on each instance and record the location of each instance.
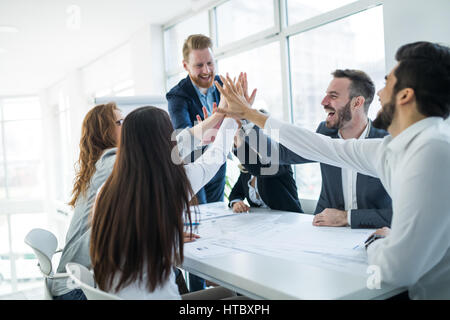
(84, 279)
(44, 245)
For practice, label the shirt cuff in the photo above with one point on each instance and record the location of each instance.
(272, 123)
(186, 143)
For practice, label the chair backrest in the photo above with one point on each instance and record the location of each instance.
(84, 279)
(44, 244)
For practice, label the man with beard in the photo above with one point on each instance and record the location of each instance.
(412, 163)
(193, 96)
(347, 198)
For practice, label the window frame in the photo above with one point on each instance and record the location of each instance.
(281, 32)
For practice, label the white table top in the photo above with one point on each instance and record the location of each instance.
(261, 276)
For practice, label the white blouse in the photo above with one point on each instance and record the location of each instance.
(199, 174)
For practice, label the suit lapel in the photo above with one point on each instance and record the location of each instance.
(190, 90)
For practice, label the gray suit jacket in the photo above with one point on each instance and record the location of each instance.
(78, 235)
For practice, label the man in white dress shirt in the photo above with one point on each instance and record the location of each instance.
(413, 164)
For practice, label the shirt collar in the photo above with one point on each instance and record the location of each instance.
(364, 134)
(200, 93)
(401, 141)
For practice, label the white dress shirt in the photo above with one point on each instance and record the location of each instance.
(349, 182)
(414, 168)
(253, 193)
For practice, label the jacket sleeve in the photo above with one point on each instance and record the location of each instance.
(237, 193)
(251, 159)
(358, 155)
(179, 112)
(371, 218)
(204, 168)
(274, 153)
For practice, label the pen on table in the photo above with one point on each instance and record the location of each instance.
(192, 224)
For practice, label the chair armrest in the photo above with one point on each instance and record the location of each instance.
(58, 276)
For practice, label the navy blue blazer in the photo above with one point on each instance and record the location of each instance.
(374, 204)
(279, 192)
(184, 105)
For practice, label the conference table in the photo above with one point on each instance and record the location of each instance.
(279, 255)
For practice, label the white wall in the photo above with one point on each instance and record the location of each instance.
(408, 21)
(147, 62)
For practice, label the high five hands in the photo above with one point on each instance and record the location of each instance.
(207, 128)
(235, 97)
(239, 103)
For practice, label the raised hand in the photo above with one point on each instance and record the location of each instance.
(234, 96)
(244, 84)
(206, 130)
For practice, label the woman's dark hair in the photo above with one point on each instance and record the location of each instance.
(138, 222)
(425, 68)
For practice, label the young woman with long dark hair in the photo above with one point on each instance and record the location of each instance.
(138, 220)
(100, 134)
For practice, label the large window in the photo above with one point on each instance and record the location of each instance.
(299, 10)
(21, 189)
(268, 95)
(5, 265)
(22, 166)
(174, 39)
(238, 19)
(289, 49)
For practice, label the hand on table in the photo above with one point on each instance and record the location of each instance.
(331, 218)
(240, 206)
(190, 237)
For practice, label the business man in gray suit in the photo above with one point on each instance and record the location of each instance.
(347, 198)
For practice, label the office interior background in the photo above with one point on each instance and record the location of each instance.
(59, 58)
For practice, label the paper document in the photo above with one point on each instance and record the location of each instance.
(213, 210)
(291, 237)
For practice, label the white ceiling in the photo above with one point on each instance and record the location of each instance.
(45, 49)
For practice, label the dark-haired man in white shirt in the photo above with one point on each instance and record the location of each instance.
(412, 164)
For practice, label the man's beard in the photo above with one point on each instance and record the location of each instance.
(201, 82)
(343, 116)
(385, 116)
